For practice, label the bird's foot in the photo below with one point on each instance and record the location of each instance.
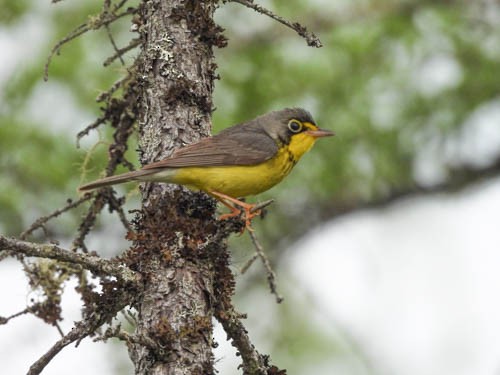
(237, 208)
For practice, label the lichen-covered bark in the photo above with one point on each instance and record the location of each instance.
(175, 227)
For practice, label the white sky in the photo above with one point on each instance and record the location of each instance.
(416, 284)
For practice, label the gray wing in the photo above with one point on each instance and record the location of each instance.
(233, 146)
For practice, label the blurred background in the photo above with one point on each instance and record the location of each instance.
(385, 238)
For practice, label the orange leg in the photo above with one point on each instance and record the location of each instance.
(235, 211)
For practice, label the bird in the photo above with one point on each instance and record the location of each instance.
(242, 160)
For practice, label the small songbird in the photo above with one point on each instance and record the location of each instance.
(245, 159)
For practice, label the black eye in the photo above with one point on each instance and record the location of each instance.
(295, 126)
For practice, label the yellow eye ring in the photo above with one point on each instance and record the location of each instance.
(295, 126)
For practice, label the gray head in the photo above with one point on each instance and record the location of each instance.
(282, 125)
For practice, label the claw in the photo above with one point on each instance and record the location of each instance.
(248, 209)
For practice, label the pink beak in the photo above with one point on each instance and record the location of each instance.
(320, 133)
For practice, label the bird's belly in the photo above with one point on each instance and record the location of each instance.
(236, 181)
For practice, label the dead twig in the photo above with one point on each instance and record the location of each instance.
(40, 222)
(130, 318)
(102, 19)
(88, 222)
(59, 329)
(115, 47)
(259, 253)
(119, 52)
(120, 334)
(99, 121)
(104, 96)
(249, 263)
(260, 206)
(92, 263)
(77, 333)
(82, 29)
(6, 320)
(123, 121)
(253, 361)
(81, 330)
(311, 39)
(271, 276)
(115, 204)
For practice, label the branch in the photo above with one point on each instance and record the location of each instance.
(261, 205)
(120, 334)
(271, 276)
(82, 29)
(119, 52)
(249, 263)
(79, 332)
(89, 219)
(92, 263)
(106, 95)
(82, 329)
(311, 39)
(95, 124)
(115, 204)
(113, 43)
(6, 320)
(253, 361)
(102, 19)
(40, 222)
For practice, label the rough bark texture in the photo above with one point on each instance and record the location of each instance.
(173, 233)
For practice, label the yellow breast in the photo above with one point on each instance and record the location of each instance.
(241, 181)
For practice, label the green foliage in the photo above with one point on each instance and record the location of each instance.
(376, 82)
(373, 82)
(305, 344)
(367, 83)
(35, 158)
(34, 164)
(12, 10)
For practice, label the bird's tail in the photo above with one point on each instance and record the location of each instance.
(140, 175)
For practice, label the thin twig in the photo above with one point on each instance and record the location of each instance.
(115, 47)
(271, 276)
(105, 19)
(88, 221)
(99, 121)
(92, 263)
(6, 320)
(124, 127)
(82, 29)
(40, 222)
(121, 51)
(130, 318)
(79, 332)
(120, 4)
(253, 361)
(123, 335)
(84, 328)
(116, 205)
(311, 39)
(249, 263)
(58, 327)
(107, 94)
(261, 205)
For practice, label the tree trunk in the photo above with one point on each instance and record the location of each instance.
(175, 73)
